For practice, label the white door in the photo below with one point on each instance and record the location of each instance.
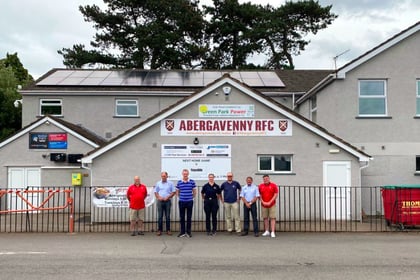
(22, 178)
(337, 182)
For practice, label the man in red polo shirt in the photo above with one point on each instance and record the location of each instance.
(268, 195)
(136, 194)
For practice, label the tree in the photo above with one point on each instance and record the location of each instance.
(160, 34)
(231, 33)
(176, 34)
(283, 29)
(12, 74)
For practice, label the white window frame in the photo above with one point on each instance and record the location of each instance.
(418, 97)
(384, 97)
(272, 170)
(59, 103)
(119, 102)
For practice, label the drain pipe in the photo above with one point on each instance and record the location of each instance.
(85, 166)
(360, 184)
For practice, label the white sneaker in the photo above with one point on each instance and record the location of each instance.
(266, 233)
(273, 234)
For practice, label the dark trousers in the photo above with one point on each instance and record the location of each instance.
(164, 208)
(211, 206)
(185, 206)
(253, 211)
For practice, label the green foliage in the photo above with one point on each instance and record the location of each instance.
(176, 34)
(12, 74)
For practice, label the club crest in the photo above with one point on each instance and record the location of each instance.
(170, 125)
(283, 124)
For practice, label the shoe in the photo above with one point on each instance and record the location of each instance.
(189, 235)
(208, 233)
(159, 233)
(273, 234)
(169, 233)
(181, 235)
(141, 233)
(133, 234)
(266, 233)
(256, 234)
(213, 233)
(244, 233)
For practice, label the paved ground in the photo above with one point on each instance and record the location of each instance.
(288, 256)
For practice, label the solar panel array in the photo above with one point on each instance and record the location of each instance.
(151, 78)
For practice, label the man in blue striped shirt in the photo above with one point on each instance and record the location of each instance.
(186, 191)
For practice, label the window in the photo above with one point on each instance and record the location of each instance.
(313, 108)
(126, 108)
(51, 107)
(275, 163)
(418, 164)
(418, 98)
(372, 98)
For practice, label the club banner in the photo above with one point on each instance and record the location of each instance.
(115, 197)
(226, 127)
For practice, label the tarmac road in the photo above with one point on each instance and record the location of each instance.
(288, 256)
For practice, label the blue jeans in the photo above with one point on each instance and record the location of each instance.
(254, 215)
(185, 207)
(164, 207)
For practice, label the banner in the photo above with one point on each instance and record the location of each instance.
(226, 127)
(115, 197)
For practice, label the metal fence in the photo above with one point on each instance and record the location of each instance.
(299, 209)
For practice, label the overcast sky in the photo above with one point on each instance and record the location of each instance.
(37, 29)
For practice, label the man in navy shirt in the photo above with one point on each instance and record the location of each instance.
(186, 191)
(231, 190)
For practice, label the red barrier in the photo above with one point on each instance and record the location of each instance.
(32, 208)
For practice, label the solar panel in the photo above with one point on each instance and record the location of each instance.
(154, 78)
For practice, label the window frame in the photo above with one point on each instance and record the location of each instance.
(59, 104)
(272, 170)
(126, 105)
(382, 97)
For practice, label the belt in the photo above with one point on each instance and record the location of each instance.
(209, 198)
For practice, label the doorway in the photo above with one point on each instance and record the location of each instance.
(337, 182)
(23, 178)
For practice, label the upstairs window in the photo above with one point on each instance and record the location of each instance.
(51, 107)
(275, 163)
(126, 108)
(372, 98)
(418, 98)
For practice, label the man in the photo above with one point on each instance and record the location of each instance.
(249, 196)
(136, 194)
(164, 191)
(269, 192)
(186, 191)
(231, 191)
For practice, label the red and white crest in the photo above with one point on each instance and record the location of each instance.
(170, 125)
(283, 125)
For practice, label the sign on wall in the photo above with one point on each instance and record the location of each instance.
(226, 110)
(226, 127)
(116, 197)
(41, 140)
(200, 160)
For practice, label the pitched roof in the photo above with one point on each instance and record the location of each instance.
(341, 73)
(226, 79)
(75, 130)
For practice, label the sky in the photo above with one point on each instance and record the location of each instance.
(37, 29)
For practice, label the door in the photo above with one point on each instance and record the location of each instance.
(22, 178)
(337, 182)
